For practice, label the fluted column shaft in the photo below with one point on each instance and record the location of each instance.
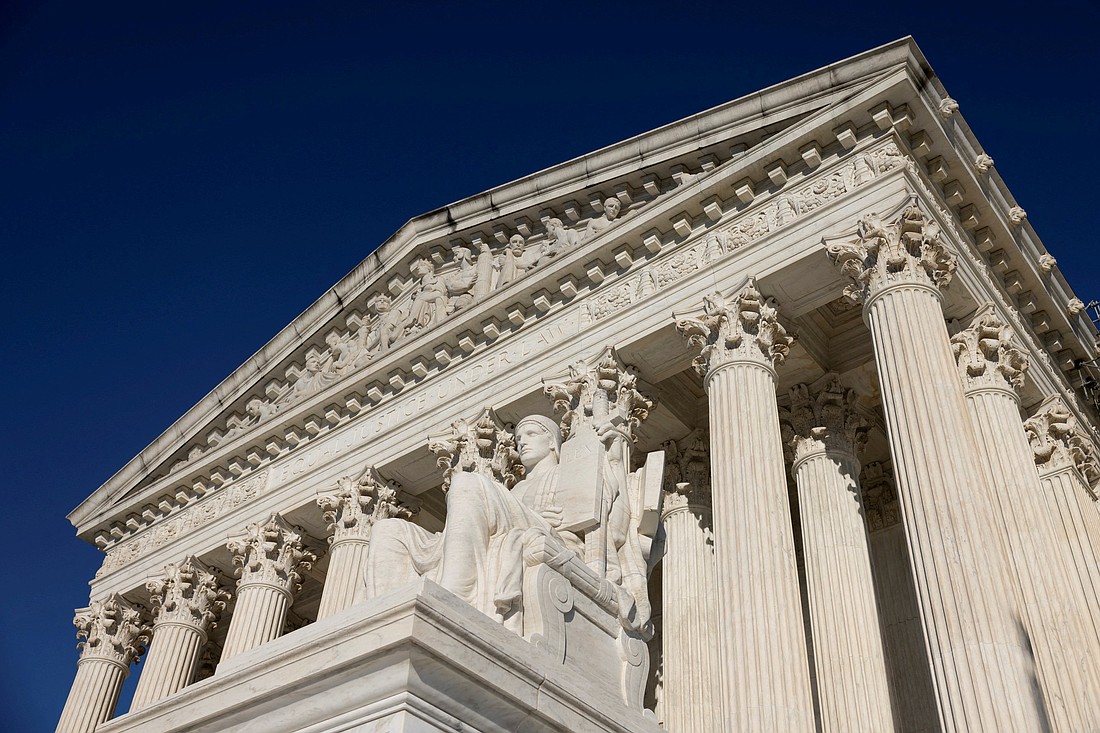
(690, 692)
(351, 512)
(114, 635)
(992, 368)
(187, 600)
(271, 556)
(853, 689)
(1071, 512)
(981, 660)
(762, 642)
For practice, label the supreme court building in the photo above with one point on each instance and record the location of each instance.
(766, 420)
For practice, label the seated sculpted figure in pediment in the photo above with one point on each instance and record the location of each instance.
(479, 554)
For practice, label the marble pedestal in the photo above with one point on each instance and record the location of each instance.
(417, 659)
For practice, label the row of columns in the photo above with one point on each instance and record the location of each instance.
(188, 600)
(1003, 558)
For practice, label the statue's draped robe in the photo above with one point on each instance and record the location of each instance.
(479, 554)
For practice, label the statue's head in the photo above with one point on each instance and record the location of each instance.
(537, 438)
(516, 243)
(611, 208)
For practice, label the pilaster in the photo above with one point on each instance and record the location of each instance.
(691, 689)
(113, 634)
(981, 663)
(992, 368)
(271, 557)
(186, 602)
(762, 644)
(825, 432)
(351, 513)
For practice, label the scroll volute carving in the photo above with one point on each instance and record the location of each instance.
(482, 445)
(358, 503)
(1058, 441)
(189, 593)
(272, 552)
(987, 353)
(604, 388)
(113, 629)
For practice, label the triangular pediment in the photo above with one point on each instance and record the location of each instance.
(460, 279)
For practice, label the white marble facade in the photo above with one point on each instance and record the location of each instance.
(774, 431)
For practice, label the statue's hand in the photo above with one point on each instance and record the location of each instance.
(552, 515)
(608, 431)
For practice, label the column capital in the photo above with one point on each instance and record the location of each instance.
(987, 354)
(358, 503)
(1058, 441)
(112, 629)
(880, 498)
(189, 593)
(481, 445)
(743, 327)
(822, 418)
(687, 472)
(271, 553)
(909, 249)
(604, 385)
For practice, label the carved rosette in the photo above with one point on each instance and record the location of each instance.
(743, 327)
(272, 553)
(1058, 441)
(482, 445)
(358, 503)
(880, 499)
(909, 250)
(189, 593)
(687, 472)
(987, 354)
(603, 388)
(823, 419)
(113, 629)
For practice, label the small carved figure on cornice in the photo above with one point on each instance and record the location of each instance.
(909, 249)
(391, 324)
(113, 629)
(360, 502)
(880, 499)
(311, 380)
(823, 418)
(518, 258)
(748, 328)
(864, 170)
(189, 593)
(429, 302)
(987, 353)
(983, 163)
(342, 353)
(1075, 306)
(1059, 442)
(460, 283)
(713, 249)
(948, 107)
(559, 239)
(1047, 263)
(603, 222)
(273, 552)
(1017, 215)
(481, 446)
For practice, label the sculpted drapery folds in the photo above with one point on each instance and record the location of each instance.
(479, 555)
(909, 249)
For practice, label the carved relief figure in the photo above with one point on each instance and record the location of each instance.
(310, 380)
(460, 284)
(603, 222)
(559, 239)
(518, 258)
(429, 305)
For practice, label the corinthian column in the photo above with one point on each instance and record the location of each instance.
(271, 556)
(1068, 472)
(113, 635)
(350, 513)
(690, 691)
(978, 649)
(825, 433)
(187, 600)
(992, 369)
(761, 640)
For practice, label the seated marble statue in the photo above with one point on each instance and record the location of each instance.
(479, 554)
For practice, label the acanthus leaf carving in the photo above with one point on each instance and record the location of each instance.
(910, 249)
(987, 354)
(188, 593)
(599, 389)
(743, 327)
(112, 629)
(823, 417)
(482, 445)
(880, 499)
(358, 503)
(1058, 441)
(272, 553)
(687, 471)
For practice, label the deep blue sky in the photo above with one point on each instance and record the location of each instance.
(179, 185)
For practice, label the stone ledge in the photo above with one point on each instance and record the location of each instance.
(416, 659)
